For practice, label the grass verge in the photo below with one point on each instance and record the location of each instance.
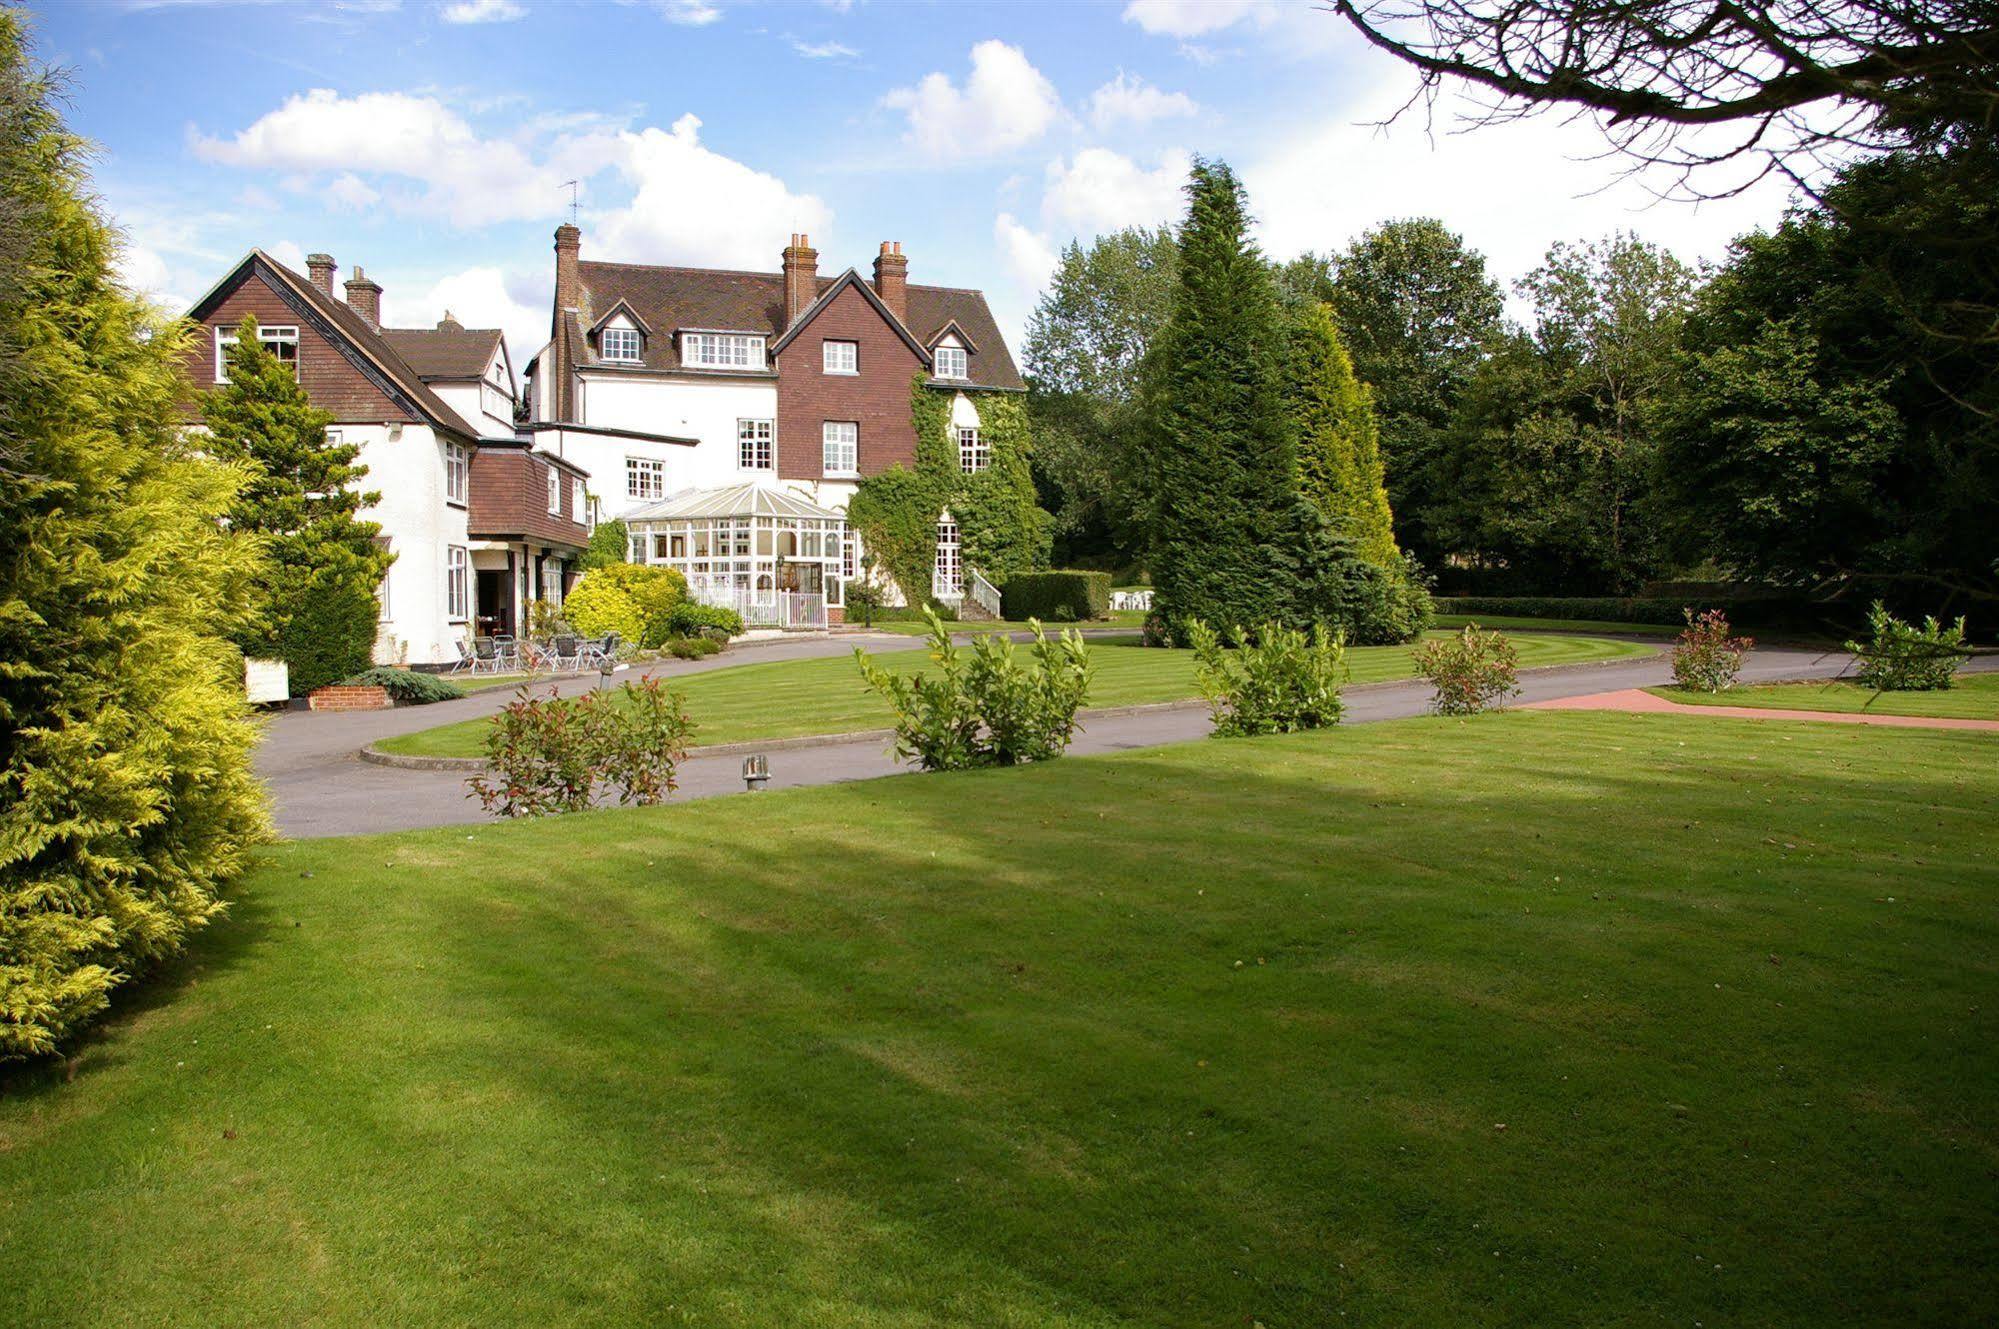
(825, 696)
(1536, 1019)
(1971, 697)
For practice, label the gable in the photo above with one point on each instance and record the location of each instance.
(326, 366)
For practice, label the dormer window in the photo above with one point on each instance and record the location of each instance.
(620, 345)
(721, 350)
(949, 361)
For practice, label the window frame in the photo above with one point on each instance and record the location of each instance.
(852, 442)
(457, 583)
(579, 498)
(621, 333)
(974, 453)
(646, 466)
(953, 584)
(554, 491)
(756, 444)
(960, 358)
(225, 337)
(458, 467)
(851, 355)
(741, 350)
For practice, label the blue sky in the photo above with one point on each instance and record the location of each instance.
(428, 140)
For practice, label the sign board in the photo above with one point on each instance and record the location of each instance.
(267, 680)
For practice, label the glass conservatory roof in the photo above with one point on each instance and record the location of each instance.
(745, 500)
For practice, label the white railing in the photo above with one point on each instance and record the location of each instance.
(1139, 600)
(982, 592)
(791, 610)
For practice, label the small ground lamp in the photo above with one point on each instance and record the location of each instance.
(756, 772)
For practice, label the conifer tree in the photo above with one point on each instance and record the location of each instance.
(1339, 440)
(127, 800)
(318, 608)
(1223, 474)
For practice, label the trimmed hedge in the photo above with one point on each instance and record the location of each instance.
(1762, 611)
(1056, 597)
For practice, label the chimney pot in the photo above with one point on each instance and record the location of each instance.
(364, 297)
(801, 277)
(319, 267)
(892, 279)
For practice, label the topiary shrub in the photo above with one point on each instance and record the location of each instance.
(1062, 597)
(1901, 657)
(406, 685)
(984, 706)
(1279, 683)
(630, 599)
(1706, 658)
(1470, 671)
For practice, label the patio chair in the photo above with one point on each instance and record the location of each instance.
(485, 656)
(567, 651)
(467, 660)
(506, 652)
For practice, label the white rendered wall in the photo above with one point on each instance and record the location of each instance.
(408, 473)
(707, 411)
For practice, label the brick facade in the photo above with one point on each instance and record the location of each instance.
(508, 489)
(340, 697)
(331, 379)
(877, 398)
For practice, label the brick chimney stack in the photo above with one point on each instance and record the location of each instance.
(364, 297)
(801, 277)
(568, 266)
(319, 267)
(892, 279)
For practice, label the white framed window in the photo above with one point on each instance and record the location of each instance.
(620, 344)
(840, 447)
(753, 444)
(554, 491)
(334, 438)
(279, 341)
(457, 584)
(840, 357)
(495, 401)
(950, 361)
(973, 452)
(645, 477)
(721, 350)
(850, 560)
(551, 582)
(579, 501)
(947, 578)
(457, 472)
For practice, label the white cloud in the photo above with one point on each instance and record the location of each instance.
(482, 11)
(1030, 260)
(1325, 187)
(352, 192)
(1194, 18)
(480, 297)
(690, 13)
(1006, 102)
(742, 218)
(1102, 191)
(823, 50)
(1128, 98)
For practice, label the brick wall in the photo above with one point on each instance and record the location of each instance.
(338, 698)
(330, 378)
(877, 398)
(508, 493)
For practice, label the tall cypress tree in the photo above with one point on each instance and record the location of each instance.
(1222, 473)
(318, 609)
(126, 796)
(1339, 440)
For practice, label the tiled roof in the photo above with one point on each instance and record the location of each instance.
(744, 500)
(722, 300)
(445, 354)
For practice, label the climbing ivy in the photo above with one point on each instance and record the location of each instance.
(1001, 529)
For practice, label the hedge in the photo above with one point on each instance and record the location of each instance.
(1756, 611)
(1056, 597)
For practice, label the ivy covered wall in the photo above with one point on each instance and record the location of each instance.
(1001, 530)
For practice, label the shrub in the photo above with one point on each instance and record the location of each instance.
(550, 753)
(1061, 597)
(1282, 682)
(1469, 671)
(693, 648)
(545, 620)
(1706, 658)
(608, 545)
(1900, 657)
(985, 706)
(407, 686)
(690, 619)
(329, 622)
(868, 598)
(630, 599)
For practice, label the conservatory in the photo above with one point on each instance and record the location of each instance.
(774, 557)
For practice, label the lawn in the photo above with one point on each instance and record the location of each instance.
(1120, 618)
(826, 696)
(1510, 623)
(1536, 1020)
(1972, 697)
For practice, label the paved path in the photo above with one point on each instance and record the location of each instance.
(321, 787)
(1639, 700)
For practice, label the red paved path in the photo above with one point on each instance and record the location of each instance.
(1637, 699)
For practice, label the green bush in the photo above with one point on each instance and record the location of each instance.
(1706, 658)
(130, 801)
(549, 753)
(635, 601)
(1060, 597)
(1762, 612)
(1900, 657)
(406, 685)
(866, 599)
(1280, 683)
(985, 706)
(608, 545)
(693, 648)
(1469, 671)
(691, 619)
(328, 630)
